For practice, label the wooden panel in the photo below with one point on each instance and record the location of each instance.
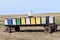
(5, 22)
(51, 19)
(18, 21)
(14, 21)
(27, 20)
(33, 20)
(10, 22)
(43, 20)
(38, 20)
(23, 21)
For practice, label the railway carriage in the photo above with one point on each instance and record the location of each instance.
(48, 22)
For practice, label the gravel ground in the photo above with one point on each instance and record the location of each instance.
(38, 34)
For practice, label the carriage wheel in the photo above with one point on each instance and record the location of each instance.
(47, 29)
(17, 28)
(8, 29)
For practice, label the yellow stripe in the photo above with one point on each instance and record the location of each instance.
(32, 20)
(38, 21)
(23, 20)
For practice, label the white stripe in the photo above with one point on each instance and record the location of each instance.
(51, 20)
(43, 20)
(14, 21)
(27, 20)
(5, 22)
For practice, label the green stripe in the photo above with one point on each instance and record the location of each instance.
(18, 21)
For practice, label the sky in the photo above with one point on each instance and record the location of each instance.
(24, 6)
